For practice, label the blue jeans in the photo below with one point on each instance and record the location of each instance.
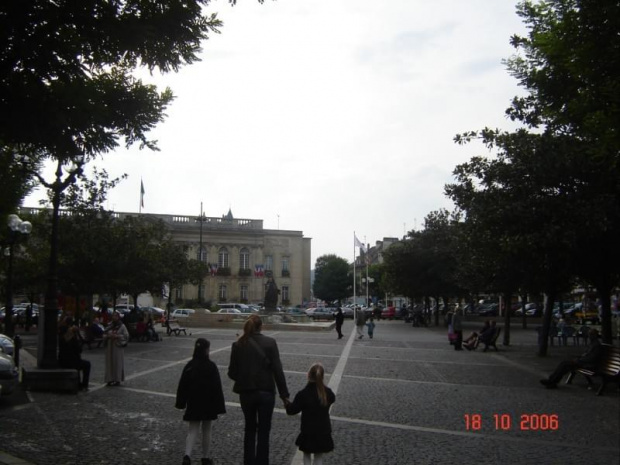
(257, 409)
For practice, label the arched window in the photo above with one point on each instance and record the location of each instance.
(244, 259)
(222, 258)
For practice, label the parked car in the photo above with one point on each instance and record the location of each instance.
(123, 309)
(531, 309)
(243, 308)
(388, 313)
(8, 374)
(182, 313)
(348, 312)
(295, 311)
(155, 312)
(488, 309)
(6, 344)
(323, 313)
(229, 310)
(578, 314)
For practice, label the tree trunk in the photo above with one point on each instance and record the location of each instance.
(523, 316)
(543, 338)
(604, 293)
(507, 308)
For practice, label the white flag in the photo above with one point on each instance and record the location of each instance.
(359, 244)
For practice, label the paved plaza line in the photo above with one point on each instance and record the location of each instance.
(445, 362)
(298, 458)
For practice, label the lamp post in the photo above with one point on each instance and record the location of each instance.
(48, 322)
(202, 218)
(16, 227)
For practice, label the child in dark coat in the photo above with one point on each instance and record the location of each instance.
(314, 402)
(200, 394)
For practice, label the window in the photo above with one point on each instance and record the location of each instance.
(285, 296)
(285, 264)
(244, 259)
(269, 263)
(223, 293)
(222, 258)
(243, 292)
(202, 255)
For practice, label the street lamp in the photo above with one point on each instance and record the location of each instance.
(16, 227)
(48, 322)
(202, 218)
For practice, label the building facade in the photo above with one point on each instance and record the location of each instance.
(240, 255)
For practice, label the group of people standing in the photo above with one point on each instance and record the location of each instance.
(115, 337)
(361, 321)
(257, 372)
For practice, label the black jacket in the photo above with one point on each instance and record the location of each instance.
(69, 350)
(315, 435)
(200, 391)
(252, 370)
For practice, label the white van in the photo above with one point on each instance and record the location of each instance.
(243, 308)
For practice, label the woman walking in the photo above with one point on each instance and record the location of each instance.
(200, 394)
(314, 402)
(116, 337)
(256, 369)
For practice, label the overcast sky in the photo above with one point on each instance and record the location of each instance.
(326, 116)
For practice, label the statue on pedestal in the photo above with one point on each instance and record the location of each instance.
(271, 294)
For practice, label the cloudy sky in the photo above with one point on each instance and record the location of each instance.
(326, 116)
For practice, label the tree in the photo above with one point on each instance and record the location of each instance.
(570, 69)
(332, 279)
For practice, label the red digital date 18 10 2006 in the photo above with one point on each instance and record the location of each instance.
(504, 422)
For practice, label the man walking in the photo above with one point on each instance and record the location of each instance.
(339, 321)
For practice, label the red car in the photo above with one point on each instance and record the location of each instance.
(388, 313)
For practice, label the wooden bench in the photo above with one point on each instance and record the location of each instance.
(87, 338)
(175, 328)
(493, 341)
(608, 369)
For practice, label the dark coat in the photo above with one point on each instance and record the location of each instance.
(339, 318)
(252, 370)
(316, 428)
(200, 391)
(69, 349)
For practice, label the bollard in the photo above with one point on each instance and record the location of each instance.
(17, 344)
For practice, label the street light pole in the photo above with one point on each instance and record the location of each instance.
(16, 226)
(47, 337)
(201, 219)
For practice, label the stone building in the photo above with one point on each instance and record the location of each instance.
(240, 254)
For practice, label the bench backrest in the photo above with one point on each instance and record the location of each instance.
(610, 362)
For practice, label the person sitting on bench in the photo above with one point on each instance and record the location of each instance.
(485, 337)
(70, 349)
(472, 339)
(588, 360)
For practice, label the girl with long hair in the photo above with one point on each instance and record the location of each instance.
(314, 402)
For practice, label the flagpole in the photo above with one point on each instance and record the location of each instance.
(366, 257)
(354, 279)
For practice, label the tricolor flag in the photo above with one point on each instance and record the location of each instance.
(359, 244)
(141, 194)
(259, 271)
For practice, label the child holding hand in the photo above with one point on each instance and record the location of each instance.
(314, 402)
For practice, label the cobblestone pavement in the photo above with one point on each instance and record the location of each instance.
(402, 398)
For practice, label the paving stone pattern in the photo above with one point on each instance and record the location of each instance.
(402, 399)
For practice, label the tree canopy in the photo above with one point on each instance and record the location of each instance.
(332, 279)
